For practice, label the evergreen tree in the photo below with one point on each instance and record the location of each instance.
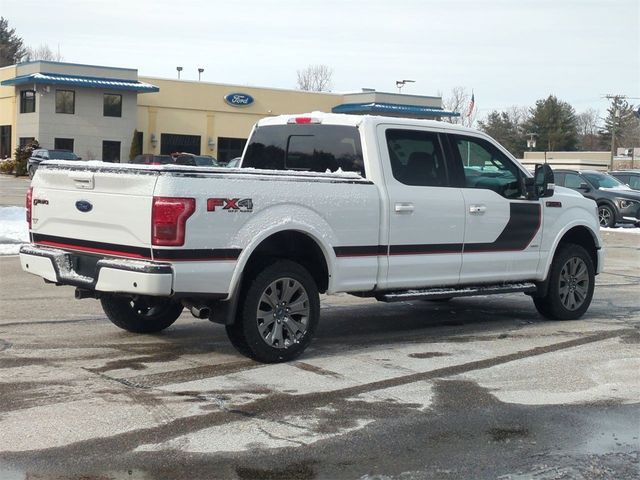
(555, 124)
(622, 121)
(11, 47)
(506, 130)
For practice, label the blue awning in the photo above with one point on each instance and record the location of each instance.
(395, 109)
(81, 81)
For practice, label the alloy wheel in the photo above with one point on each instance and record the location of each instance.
(283, 313)
(574, 283)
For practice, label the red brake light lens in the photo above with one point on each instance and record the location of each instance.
(29, 203)
(168, 220)
(304, 120)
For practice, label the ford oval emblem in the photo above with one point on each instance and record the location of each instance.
(84, 206)
(239, 99)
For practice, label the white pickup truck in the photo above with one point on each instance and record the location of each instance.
(391, 208)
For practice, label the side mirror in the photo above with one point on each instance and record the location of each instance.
(543, 181)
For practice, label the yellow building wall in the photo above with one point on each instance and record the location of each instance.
(8, 103)
(198, 108)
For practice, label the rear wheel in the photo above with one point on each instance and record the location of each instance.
(278, 314)
(32, 172)
(141, 314)
(571, 283)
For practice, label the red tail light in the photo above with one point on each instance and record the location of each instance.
(303, 120)
(29, 204)
(168, 219)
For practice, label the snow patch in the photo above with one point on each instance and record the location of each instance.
(14, 230)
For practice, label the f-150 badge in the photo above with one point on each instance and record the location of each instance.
(244, 205)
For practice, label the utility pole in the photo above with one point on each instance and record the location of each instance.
(614, 126)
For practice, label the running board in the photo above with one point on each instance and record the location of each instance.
(438, 293)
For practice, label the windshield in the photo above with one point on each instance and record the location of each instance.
(62, 155)
(204, 161)
(603, 180)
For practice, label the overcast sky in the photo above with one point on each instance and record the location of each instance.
(508, 52)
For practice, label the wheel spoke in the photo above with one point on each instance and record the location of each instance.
(290, 287)
(265, 327)
(300, 306)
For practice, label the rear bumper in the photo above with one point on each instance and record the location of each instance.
(136, 277)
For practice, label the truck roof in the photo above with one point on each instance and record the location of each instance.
(356, 120)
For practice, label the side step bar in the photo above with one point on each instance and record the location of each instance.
(469, 291)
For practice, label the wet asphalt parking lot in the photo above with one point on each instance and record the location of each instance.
(474, 388)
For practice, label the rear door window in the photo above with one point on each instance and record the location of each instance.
(416, 158)
(573, 180)
(313, 148)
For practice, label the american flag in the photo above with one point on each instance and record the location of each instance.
(472, 104)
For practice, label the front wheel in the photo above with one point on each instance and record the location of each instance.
(606, 216)
(571, 283)
(141, 314)
(278, 314)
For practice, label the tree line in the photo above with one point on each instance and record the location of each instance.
(554, 124)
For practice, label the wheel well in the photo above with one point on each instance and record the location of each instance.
(295, 246)
(582, 236)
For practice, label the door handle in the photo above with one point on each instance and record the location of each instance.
(477, 209)
(404, 208)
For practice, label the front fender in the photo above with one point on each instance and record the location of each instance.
(570, 218)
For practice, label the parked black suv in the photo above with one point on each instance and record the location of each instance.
(630, 177)
(41, 154)
(617, 203)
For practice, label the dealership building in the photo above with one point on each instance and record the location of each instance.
(101, 112)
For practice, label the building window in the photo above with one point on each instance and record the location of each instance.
(229, 148)
(63, 144)
(65, 101)
(173, 143)
(5, 141)
(112, 105)
(25, 141)
(110, 151)
(27, 101)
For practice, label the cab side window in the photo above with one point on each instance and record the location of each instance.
(416, 158)
(486, 167)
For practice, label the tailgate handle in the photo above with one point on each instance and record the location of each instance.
(82, 180)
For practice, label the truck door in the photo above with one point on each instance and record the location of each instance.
(425, 214)
(503, 229)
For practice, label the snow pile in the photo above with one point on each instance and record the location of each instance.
(626, 228)
(13, 230)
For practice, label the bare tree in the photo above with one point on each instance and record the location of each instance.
(588, 129)
(460, 101)
(315, 78)
(43, 52)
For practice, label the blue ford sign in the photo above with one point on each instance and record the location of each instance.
(239, 99)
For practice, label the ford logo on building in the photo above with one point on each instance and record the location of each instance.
(84, 206)
(239, 99)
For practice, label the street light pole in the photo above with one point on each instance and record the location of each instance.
(402, 83)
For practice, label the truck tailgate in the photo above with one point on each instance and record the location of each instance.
(100, 211)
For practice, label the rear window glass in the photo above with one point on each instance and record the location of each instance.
(62, 155)
(315, 148)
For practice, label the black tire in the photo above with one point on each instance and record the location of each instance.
(141, 314)
(571, 283)
(288, 297)
(31, 172)
(606, 216)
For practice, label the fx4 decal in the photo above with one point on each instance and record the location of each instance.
(233, 205)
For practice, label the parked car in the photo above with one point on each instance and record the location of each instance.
(234, 162)
(617, 203)
(151, 159)
(629, 177)
(41, 154)
(182, 158)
